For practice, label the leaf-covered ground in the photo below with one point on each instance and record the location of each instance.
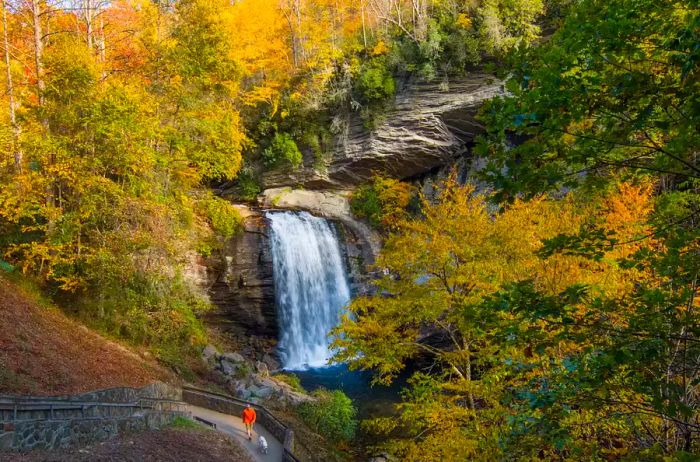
(170, 445)
(42, 352)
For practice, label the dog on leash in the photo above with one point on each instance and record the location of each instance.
(262, 444)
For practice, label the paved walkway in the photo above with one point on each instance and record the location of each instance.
(232, 425)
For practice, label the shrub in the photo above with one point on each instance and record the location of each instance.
(365, 204)
(333, 415)
(282, 149)
(249, 185)
(223, 217)
(375, 83)
(291, 380)
(383, 202)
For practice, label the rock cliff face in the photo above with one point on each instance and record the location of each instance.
(241, 284)
(428, 126)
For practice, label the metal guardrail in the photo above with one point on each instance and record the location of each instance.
(288, 440)
(54, 406)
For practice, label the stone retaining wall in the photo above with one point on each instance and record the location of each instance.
(54, 434)
(32, 422)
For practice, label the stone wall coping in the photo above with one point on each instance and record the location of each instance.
(22, 404)
(23, 401)
(91, 396)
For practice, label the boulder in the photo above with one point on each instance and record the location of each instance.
(229, 368)
(209, 353)
(241, 391)
(232, 357)
(262, 369)
(272, 364)
(263, 392)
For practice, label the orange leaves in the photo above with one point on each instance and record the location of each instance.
(626, 212)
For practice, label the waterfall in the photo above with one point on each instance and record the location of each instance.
(311, 286)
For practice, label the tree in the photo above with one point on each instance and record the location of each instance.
(435, 306)
(17, 150)
(612, 95)
(614, 89)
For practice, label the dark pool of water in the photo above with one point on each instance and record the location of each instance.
(370, 400)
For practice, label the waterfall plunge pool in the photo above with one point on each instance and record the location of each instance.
(371, 401)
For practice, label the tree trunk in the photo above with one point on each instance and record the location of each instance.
(88, 23)
(16, 149)
(102, 45)
(420, 20)
(468, 373)
(38, 52)
(364, 29)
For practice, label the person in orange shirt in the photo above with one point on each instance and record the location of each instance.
(249, 417)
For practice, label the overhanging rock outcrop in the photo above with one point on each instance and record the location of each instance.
(428, 126)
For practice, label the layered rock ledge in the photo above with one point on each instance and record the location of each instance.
(428, 126)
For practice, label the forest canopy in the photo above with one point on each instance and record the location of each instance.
(546, 310)
(555, 316)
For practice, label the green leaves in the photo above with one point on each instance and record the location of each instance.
(588, 243)
(332, 414)
(609, 95)
(282, 149)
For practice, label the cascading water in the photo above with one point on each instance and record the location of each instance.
(311, 286)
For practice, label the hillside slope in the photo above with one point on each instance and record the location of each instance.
(43, 352)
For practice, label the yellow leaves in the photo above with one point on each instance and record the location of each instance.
(380, 49)
(464, 21)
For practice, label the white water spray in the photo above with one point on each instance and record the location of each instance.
(311, 286)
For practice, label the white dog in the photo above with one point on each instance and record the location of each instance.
(262, 444)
